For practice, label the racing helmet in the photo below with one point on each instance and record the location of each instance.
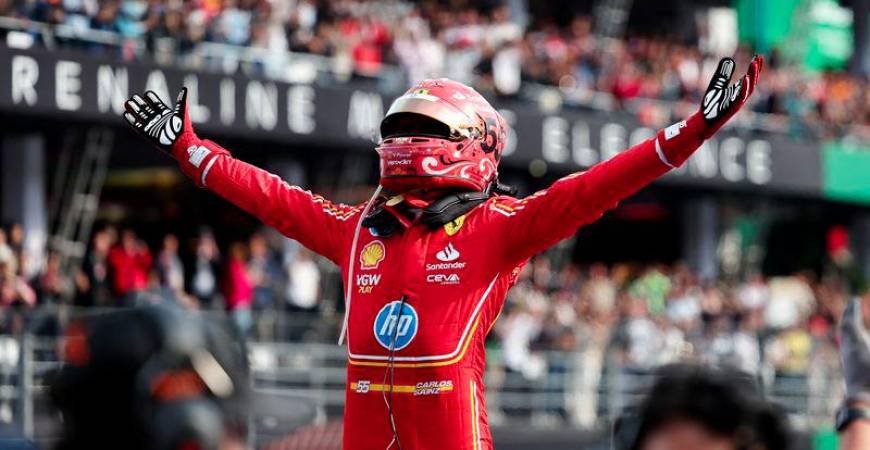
(440, 135)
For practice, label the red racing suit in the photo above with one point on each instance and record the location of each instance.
(449, 283)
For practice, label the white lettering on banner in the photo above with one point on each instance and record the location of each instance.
(25, 73)
(364, 114)
(612, 140)
(581, 145)
(729, 149)
(67, 85)
(300, 109)
(759, 168)
(734, 159)
(156, 82)
(554, 142)
(228, 101)
(511, 118)
(703, 162)
(198, 113)
(112, 89)
(261, 105)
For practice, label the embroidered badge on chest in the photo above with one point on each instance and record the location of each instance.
(396, 325)
(453, 227)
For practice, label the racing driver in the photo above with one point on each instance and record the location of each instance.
(429, 258)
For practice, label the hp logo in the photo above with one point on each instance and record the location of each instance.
(396, 321)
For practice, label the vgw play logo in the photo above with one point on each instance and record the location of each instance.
(396, 325)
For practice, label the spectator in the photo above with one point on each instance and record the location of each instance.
(206, 266)
(262, 271)
(169, 267)
(129, 264)
(303, 282)
(6, 253)
(54, 286)
(93, 286)
(237, 289)
(14, 290)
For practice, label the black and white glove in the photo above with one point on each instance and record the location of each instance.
(171, 131)
(160, 124)
(855, 354)
(721, 100)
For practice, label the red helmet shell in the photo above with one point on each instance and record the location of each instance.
(466, 160)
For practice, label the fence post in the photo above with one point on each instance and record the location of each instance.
(25, 385)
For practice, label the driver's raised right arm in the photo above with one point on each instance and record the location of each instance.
(315, 222)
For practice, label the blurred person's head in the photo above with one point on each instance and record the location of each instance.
(692, 407)
(170, 243)
(257, 245)
(129, 241)
(153, 378)
(16, 234)
(206, 245)
(102, 241)
(237, 251)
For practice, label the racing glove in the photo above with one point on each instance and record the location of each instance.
(855, 353)
(171, 131)
(718, 105)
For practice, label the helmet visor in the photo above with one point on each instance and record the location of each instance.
(414, 107)
(413, 124)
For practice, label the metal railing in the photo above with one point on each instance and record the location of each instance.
(577, 390)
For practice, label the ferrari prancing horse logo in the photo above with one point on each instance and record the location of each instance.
(453, 226)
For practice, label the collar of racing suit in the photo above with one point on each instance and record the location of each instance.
(390, 213)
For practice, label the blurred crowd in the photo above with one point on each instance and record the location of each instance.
(120, 269)
(649, 315)
(488, 46)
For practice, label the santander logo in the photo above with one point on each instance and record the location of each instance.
(448, 254)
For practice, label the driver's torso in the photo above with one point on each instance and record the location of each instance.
(449, 288)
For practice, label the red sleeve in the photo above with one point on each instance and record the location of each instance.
(527, 226)
(322, 226)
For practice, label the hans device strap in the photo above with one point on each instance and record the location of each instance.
(440, 212)
(451, 206)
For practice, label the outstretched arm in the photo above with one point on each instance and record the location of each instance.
(310, 219)
(542, 219)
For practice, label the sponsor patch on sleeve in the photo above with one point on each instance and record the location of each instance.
(674, 130)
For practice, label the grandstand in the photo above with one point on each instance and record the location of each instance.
(744, 258)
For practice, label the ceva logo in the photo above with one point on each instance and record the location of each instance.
(448, 254)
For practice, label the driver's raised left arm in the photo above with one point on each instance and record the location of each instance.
(540, 220)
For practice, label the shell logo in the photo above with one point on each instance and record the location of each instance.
(372, 254)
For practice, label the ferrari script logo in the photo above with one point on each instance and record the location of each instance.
(453, 226)
(372, 255)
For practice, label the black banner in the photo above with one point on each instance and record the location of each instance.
(72, 84)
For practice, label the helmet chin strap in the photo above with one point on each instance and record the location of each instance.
(351, 263)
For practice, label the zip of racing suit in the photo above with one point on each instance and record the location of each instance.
(431, 296)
